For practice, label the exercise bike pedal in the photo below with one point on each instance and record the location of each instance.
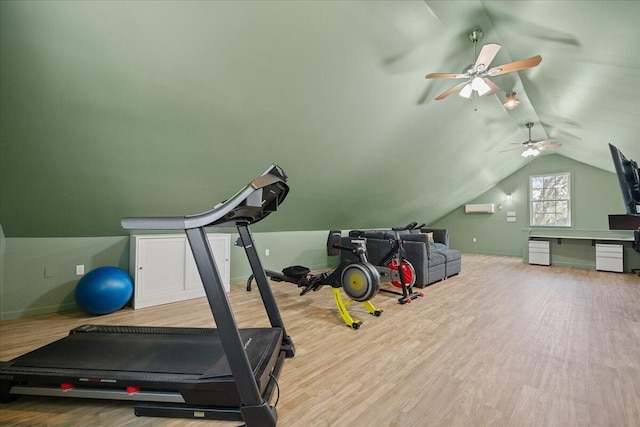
(314, 284)
(306, 289)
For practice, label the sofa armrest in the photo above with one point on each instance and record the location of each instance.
(421, 238)
(440, 235)
(417, 254)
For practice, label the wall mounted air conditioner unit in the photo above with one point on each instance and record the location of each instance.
(480, 208)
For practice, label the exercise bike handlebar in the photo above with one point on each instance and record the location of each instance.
(348, 248)
(409, 226)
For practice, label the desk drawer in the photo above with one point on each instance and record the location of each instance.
(609, 258)
(539, 252)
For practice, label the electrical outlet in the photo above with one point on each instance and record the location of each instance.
(475, 240)
(266, 252)
(49, 272)
(79, 270)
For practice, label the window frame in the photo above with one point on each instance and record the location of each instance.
(566, 199)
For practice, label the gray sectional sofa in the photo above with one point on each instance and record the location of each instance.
(426, 249)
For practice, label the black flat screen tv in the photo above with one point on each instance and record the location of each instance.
(629, 179)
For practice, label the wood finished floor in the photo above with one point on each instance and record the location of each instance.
(501, 344)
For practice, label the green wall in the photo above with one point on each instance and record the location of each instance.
(307, 248)
(595, 195)
(2, 251)
(40, 272)
(137, 108)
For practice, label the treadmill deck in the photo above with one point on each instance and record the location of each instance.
(172, 359)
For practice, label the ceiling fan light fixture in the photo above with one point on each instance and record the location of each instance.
(466, 91)
(511, 102)
(480, 85)
(530, 152)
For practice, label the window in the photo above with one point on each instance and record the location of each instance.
(550, 197)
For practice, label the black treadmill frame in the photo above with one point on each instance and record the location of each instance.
(252, 204)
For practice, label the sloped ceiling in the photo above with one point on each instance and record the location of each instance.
(112, 109)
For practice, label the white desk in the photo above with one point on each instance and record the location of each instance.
(608, 257)
(593, 238)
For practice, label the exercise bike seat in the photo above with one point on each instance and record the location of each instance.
(296, 271)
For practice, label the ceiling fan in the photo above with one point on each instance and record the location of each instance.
(476, 75)
(533, 148)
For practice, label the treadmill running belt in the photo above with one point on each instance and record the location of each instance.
(161, 353)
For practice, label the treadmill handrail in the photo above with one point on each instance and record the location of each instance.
(272, 176)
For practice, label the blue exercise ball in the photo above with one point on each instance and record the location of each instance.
(104, 290)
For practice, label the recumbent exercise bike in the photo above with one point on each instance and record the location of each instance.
(360, 279)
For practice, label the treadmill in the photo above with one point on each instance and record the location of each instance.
(221, 373)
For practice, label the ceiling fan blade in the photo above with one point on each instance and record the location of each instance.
(548, 143)
(554, 145)
(450, 91)
(515, 66)
(545, 141)
(510, 149)
(445, 76)
(488, 52)
(494, 87)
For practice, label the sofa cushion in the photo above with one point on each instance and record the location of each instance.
(440, 235)
(429, 237)
(438, 246)
(451, 254)
(454, 262)
(437, 258)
